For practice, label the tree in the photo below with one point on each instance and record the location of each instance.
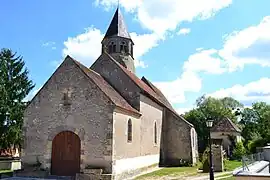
(239, 151)
(208, 107)
(249, 121)
(14, 87)
(255, 122)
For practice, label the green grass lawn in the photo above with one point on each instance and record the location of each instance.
(187, 171)
(5, 171)
(229, 178)
(232, 165)
(174, 171)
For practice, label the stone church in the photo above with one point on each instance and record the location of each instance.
(104, 117)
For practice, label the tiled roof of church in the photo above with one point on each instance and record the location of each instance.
(110, 92)
(225, 125)
(163, 99)
(117, 26)
(158, 92)
(158, 97)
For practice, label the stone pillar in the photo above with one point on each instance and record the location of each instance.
(217, 158)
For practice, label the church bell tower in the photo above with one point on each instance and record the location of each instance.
(118, 43)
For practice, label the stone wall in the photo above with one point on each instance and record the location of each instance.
(151, 114)
(118, 79)
(122, 149)
(89, 115)
(129, 157)
(217, 152)
(124, 59)
(176, 141)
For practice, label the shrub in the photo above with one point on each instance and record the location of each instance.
(185, 163)
(253, 144)
(239, 151)
(205, 160)
(225, 163)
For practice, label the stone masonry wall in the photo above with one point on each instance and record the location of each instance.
(124, 59)
(217, 152)
(151, 114)
(118, 79)
(141, 152)
(176, 140)
(90, 116)
(123, 149)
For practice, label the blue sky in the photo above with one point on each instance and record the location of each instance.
(187, 48)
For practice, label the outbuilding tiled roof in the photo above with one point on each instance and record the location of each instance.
(104, 86)
(225, 125)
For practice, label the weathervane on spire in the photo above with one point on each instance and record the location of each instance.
(118, 4)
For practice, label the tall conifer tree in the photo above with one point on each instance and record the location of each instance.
(14, 87)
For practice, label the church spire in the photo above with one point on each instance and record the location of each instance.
(118, 43)
(117, 26)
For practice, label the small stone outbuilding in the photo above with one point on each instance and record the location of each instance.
(228, 132)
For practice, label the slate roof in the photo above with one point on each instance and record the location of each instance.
(104, 86)
(117, 26)
(225, 125)
(146, 88)
(163, 99)
(158, 92)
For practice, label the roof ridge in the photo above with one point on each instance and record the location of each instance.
(233, 124)
(155, 96)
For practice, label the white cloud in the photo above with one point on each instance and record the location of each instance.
(246, 47)
(205, 61)
(144, 43)
(86, 47)
(175, 90)
(160, 17)
(163, 15)
(129, 5)
(183, 31)
(253, 91)
(183, 110)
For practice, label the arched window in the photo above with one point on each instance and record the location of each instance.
(129, 131)
(155, 133)
(112, 47)
(123, 47)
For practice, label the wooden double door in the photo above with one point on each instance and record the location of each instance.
(66, 151)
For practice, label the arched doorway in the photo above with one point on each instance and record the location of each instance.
(66, 150)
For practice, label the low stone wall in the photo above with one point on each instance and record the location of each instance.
(254, 171)
(10, 164)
